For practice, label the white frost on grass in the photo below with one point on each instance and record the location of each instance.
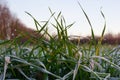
(7, 61)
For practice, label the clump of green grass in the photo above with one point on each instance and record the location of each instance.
(58, 58)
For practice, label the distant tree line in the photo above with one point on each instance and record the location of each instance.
(109, 38)
(11, 27)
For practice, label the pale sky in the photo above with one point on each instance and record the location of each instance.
(72, 13)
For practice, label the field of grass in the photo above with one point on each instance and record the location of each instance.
(58, 58)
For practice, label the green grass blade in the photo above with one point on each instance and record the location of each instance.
(35, 21)
(104, 24)
(88, 21)
(59, 15)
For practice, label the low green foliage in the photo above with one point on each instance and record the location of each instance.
(58, 58)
